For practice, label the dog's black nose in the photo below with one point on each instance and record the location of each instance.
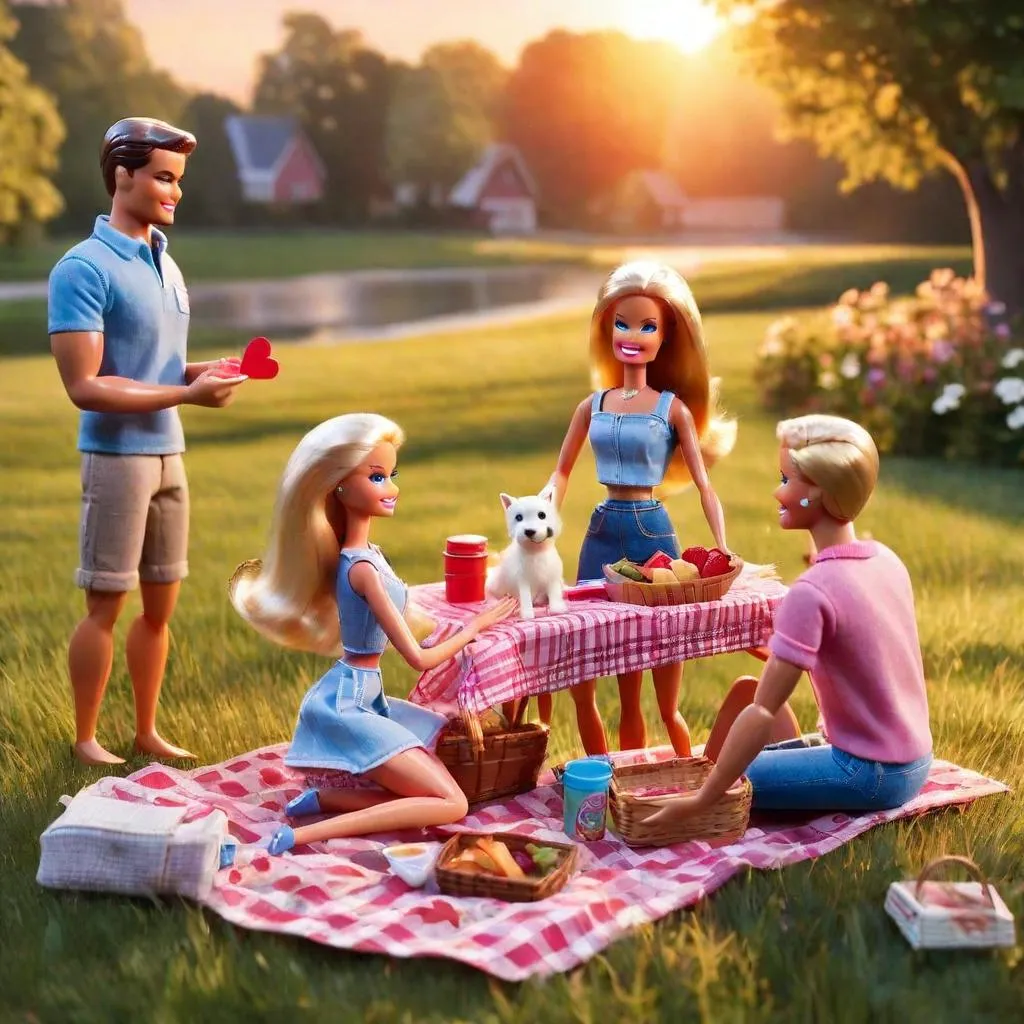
(529, 533)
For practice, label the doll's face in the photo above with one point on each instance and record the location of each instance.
(793, 489)
(151, 193)
(638, 328)
(370, 488)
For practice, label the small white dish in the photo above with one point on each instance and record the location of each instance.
(413, 862)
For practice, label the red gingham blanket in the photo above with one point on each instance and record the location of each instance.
(341, 893)
(520, 658)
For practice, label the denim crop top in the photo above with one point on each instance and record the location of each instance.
(360, 631)
(632, 449)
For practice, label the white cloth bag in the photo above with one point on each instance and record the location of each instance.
(103, 844)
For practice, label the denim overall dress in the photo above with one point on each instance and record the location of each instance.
(346, 723)
(631, 450)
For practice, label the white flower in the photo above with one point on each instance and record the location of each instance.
(953, 393)
(1016, 418)
(827, 380)
(1010, 390)
(941, 406)
(850, 366)
(1013, 358)
(772, 347)
(842, 316)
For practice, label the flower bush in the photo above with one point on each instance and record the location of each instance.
(940, 373)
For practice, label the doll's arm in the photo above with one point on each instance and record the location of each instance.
(689, 444)
(79, 355)
(366, 581)
(570, 451)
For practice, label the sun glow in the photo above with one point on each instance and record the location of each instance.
(688, 24)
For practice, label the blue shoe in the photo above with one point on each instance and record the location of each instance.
(305, 803)
(281, 841)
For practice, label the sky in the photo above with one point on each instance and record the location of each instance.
(214, 44)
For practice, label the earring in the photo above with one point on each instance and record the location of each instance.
(804, 502)
(338, 489)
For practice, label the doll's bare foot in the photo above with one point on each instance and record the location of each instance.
(153, 745)
(90, 752)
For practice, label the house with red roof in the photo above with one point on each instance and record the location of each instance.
(499, 191)
(276, 162)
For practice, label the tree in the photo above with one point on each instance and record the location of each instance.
(897, 89)
(586, 110)
(30, 136)
(93, 60)
(442, 115)
(212, 191)
(340, 90)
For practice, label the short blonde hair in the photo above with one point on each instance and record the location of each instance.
(835, 454)
(289, 595)
(681, 365)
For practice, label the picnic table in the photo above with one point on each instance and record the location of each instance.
(523, 658)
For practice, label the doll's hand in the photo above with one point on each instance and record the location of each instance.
(679, 809)
(230, 366)
(212, 390)
(502, 610)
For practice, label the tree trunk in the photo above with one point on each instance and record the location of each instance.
(996, 217)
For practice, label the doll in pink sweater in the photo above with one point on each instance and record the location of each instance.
(848, 622)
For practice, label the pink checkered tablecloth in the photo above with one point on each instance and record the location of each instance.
(341, 893)
(522, 658)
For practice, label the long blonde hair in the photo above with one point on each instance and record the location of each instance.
(835, 454)
(289, 596)
(681, 365)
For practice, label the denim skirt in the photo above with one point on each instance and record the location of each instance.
(347, 724)
(625, 529)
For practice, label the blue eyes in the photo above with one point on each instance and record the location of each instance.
(621, 325)
(647, 329)
(379, 478)
(784, 478)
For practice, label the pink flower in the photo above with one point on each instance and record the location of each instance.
(1002, 331)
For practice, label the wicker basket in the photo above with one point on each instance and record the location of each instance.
(628, 591)
(723, 823)
(498, 764)
(453, 882)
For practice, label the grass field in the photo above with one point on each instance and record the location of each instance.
(810, 943)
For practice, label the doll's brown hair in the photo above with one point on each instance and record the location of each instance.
(131, 141)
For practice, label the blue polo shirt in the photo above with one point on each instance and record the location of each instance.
(135, 296)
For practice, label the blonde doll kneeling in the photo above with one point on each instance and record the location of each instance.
(323, 587)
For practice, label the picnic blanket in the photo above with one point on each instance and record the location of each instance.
(524, 657)
(341, 893)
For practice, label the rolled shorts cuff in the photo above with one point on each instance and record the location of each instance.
(106, 582)
(172, 573)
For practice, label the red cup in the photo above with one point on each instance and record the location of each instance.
(466, 544)
(464, 589)
(465, 565)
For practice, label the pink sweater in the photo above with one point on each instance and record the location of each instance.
(848, 621)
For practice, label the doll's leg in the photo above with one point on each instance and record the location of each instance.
(343, 801)
(544, 707)
(146, 650)
(90, 657)
(632, 728)
(588, 719)
(425, 794)
(740, 695)
(668, 681)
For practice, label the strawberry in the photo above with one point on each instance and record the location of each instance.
(717, 564)
(659, 560)
(696, 556)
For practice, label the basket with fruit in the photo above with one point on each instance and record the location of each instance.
(513, 867)
(699, 574)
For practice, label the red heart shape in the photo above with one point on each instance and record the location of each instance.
(257, 363)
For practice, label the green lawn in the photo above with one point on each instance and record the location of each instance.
(808, 943)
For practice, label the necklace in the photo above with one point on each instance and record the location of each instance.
(628, 393)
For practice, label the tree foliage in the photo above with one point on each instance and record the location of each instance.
(340, 90)
(212, 192)
(30, 135)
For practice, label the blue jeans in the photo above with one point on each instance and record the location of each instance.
(625, 529)
(828, 779)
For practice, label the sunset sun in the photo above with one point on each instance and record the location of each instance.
(688, 24)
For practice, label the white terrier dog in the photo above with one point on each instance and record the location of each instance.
(530, 567)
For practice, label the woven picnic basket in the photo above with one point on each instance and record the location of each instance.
(628, 591)
(722, 823)
(453, 882)
(498, 764)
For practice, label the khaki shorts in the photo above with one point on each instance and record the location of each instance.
(134, 521)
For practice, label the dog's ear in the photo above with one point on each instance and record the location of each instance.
(506, 500)
(548, 494)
